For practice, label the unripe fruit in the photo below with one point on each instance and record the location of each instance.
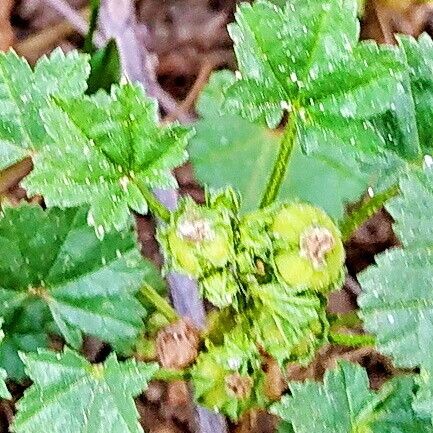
(198, 239)
(222, 380)
(309, 251)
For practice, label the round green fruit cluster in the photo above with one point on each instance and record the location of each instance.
(296, 244)
(269, 272)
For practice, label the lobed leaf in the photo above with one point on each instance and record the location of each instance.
(288, 326)
(329, 177)
(345, 404)
(397, 299)
(73, 396)
(24, 92)
(54, 268)
(312, 70)
(407, 126)
(104, 150)
(4, 392)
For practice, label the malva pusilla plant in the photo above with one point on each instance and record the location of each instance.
(353, 115)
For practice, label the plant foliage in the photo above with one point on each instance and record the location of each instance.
(104, 150)
(397, 306)
(345, 404)
(222, 139)
(54, 268)
(24, 93)
(71, 395)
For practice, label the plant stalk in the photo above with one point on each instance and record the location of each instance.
(350, 319)
(280, 167)
(352, 340)
(153, 203)
(159, 302)
(119, 22)
(169, 375)
(358, 217)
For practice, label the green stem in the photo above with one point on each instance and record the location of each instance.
(154, 204)
(169, 375)
(348, 320)
(159, 302)
(280, 167)
(358, 217)
(88, 46)
(352, 340)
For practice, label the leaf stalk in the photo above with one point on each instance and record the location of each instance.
(153, 203)
(160, 303)
(352, 340)
(169, 375)
(358, 217)
(280, 167)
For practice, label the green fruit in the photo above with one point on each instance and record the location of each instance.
(220, 288)
(222, 378)
(198, 239)
(310, 253)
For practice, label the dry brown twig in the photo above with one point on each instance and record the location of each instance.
(118, 21)
(186, 105)
(78, 22)
(37, 44)
(14, 174)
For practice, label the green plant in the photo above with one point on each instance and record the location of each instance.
(347, 115)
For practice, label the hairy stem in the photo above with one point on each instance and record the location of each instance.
(169, 375)
(280, 167)
(159, 302)
(359, 216)
(154, 204)
(349, 319)
(352, 340)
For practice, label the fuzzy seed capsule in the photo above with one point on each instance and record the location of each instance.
(222, 378)
(309, 253)
(199, 239)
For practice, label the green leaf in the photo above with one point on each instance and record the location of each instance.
(105, 68)
(23, 93)
(304, 59)
(104, 151)
(408, 125)
(27, 330)
(55, 268)
(4, 392)
(329, 177)
(397, 299)
(423, 403)
(70, 395)
(344, 404)
(288, 326)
